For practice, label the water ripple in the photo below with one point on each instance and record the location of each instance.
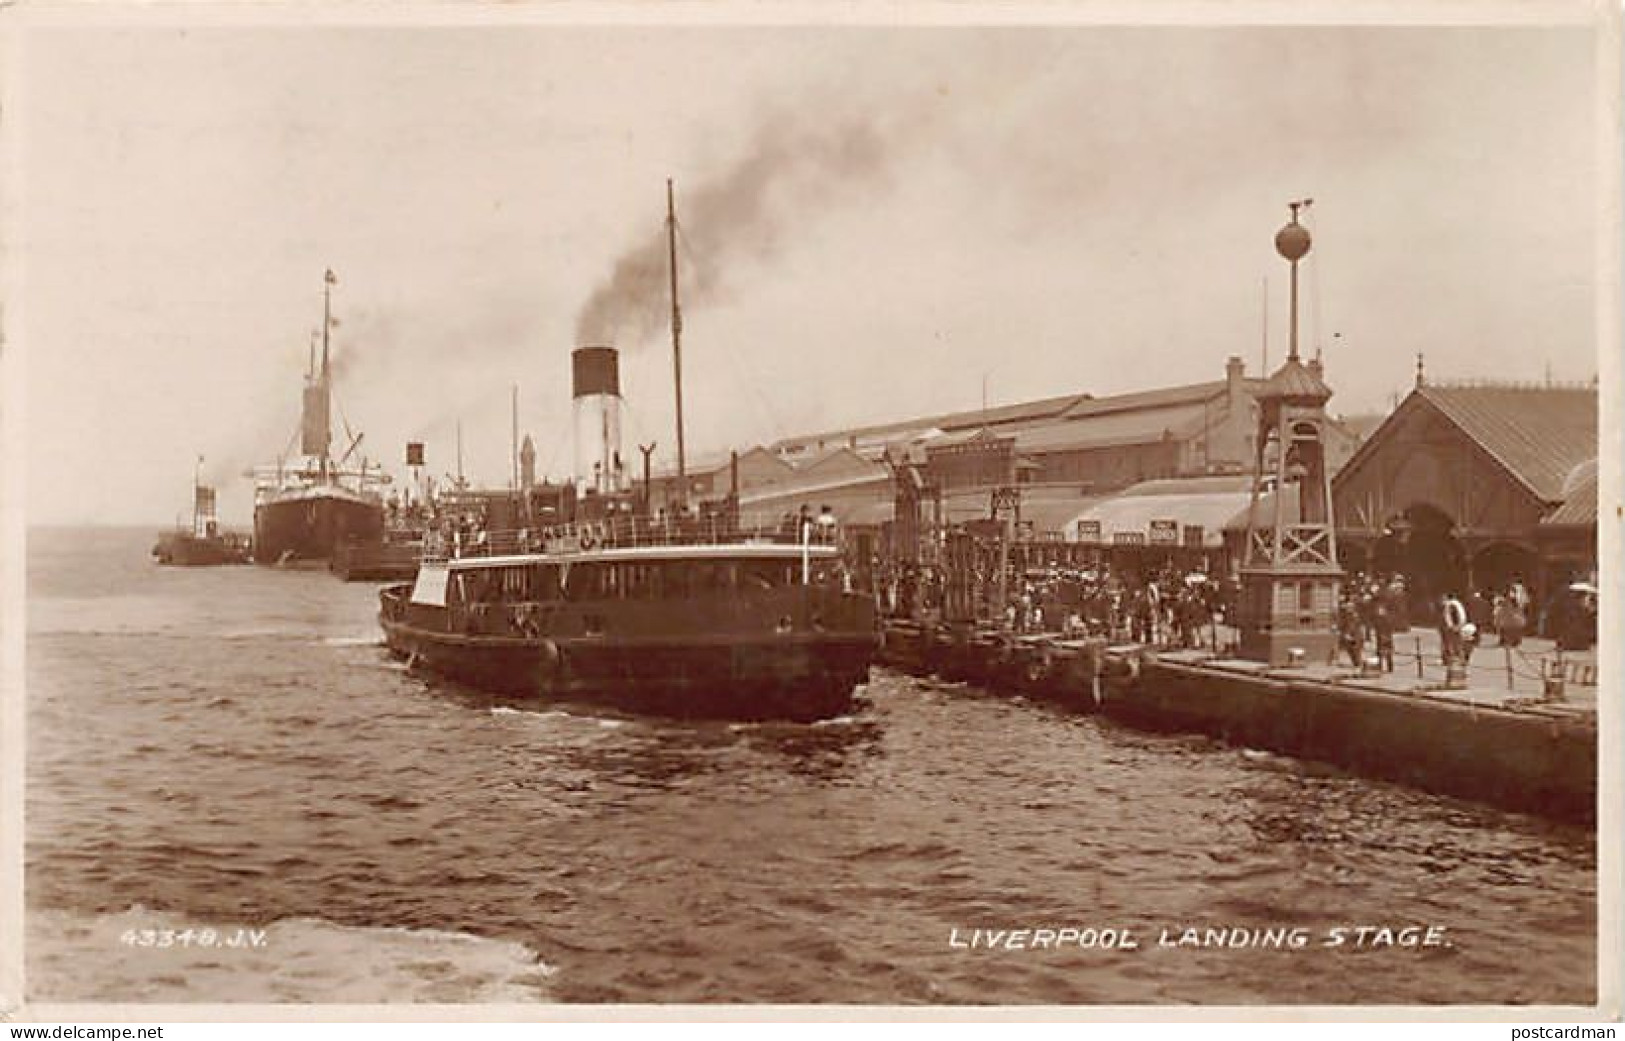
(231, 747)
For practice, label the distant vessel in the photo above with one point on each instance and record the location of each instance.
(203, 543)
(392, 558)
(691, 613)
(305, 507)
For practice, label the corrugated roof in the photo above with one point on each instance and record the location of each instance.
(1295, 381)
(1045, 408)
(1140, 426)
(1164, 397)
(711, 463)
(1579, 510)
(1266, 510)
(901, 429)
(1212, 506)
(834, 461)
(788, 490)
(1219, 483)
(1539, 433)
(965, 437)
(1054, 514)
(1049, 508)
(1025, 411)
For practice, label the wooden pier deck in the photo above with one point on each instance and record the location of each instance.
(1499, 738)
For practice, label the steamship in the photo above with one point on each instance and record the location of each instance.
(202, 544)
(644, 617)
(690, 611)
(307, 506)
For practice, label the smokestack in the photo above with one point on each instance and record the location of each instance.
(596, 389)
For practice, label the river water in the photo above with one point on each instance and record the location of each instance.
(230, 749)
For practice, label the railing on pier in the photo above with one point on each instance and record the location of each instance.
(626, 532)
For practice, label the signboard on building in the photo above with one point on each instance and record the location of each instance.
(1164, 533)
(1088, 531)
(1128, 538)
(414, 453)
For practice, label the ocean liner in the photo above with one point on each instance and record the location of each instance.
(309, 504)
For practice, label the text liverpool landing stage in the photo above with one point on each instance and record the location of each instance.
(1230, 937)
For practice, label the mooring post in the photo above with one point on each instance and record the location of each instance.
(1418, 657)
(1508, 651)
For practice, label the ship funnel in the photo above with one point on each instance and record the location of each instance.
(315, 436)
(595, 372)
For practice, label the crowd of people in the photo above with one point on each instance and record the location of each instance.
(1168, 606)
(1374, 608)
(1371, 611)
(1172, 607)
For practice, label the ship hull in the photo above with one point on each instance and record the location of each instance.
(309, 527)
(797, 675)
(198, 551)
(385, 561)
(806, 680)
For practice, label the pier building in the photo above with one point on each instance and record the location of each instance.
(1066, 453)
(1469, 485)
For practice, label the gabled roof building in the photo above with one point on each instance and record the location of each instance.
(1466, 485)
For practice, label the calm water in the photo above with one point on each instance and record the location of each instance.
(231, 748)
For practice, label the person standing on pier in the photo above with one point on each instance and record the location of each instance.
(1481, 616)
(1519, 595)
(1510, 621)
(1350, 633)
(1141, 611)
(1395, 596)
(1452, 620)
(1382, 627)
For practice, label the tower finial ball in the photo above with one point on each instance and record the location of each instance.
(1292, 241)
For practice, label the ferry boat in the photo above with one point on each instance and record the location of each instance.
(644, 617)
(306, 507)
(687, 612)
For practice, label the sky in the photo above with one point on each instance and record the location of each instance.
(875, 223)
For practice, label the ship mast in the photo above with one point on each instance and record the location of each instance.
(676, 342)
(197, 482)
(327, 392)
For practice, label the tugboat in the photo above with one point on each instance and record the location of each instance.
(203, 543)
(304, 508)
(688, 613)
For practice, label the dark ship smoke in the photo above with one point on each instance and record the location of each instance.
(788, 173)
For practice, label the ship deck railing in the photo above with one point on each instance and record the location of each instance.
(629, 533)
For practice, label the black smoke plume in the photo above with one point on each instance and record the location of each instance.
(790, 173)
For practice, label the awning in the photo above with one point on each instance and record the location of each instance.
(1164, 514)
